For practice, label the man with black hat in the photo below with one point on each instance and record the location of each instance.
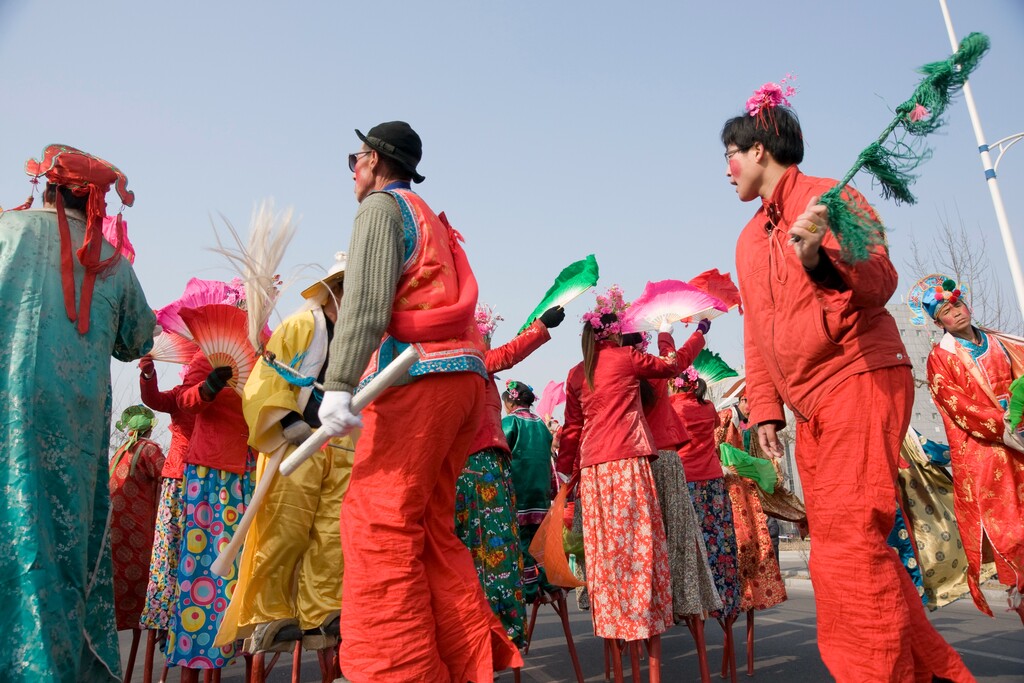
(414, 609)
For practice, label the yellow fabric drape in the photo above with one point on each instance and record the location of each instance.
(291, 565)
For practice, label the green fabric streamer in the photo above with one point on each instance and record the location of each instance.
(759, 470)
(1016, 402)
(574, 279)
(572, 542)
(711, 368)
(890, 162)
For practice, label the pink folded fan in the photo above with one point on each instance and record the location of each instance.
(671, 300)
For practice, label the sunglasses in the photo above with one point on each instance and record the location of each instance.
(354, 157)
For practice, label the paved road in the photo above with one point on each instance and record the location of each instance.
(785, 649)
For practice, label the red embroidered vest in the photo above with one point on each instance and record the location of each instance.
(435, 299)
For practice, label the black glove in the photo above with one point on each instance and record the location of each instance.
(703, 326)
(553, 317)
(218, 379)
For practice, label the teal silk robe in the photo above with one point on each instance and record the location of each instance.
(57, 619)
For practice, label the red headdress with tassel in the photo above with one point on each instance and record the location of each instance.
(86, 176)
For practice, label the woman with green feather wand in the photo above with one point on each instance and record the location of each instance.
(815, 276)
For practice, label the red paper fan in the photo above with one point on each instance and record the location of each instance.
(222, 333)
(719, 286)
(172, 348)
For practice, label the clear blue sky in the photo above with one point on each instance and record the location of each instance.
(551, 130)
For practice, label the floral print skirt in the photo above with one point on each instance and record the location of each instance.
(693, 586)
(485, 522)
(761, 583)
(162, 591)
(630, 587)
(714, 512)
(215, 501)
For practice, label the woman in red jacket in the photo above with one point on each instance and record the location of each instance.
(623, 533)
(693, 586)
(219, 468)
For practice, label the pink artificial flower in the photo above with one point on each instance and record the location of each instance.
(771, 95)
(687, 380)
(611, 302)
(918, 113)
(486, 320)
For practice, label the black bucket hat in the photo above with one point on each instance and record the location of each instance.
(397, 140)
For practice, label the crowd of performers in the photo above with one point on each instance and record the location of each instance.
(430, 572)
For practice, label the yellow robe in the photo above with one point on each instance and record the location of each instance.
(291, 564)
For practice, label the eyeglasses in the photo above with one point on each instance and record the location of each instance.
(728, 155)
(354, 157)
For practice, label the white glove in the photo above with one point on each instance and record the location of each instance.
(666, 326)
(336, 413)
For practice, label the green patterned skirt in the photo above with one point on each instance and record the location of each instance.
(485, 521)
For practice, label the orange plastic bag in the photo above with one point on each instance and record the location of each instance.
(546, 546)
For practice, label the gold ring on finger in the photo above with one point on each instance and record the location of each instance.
(813, 229)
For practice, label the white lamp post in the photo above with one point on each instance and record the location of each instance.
(990, 172)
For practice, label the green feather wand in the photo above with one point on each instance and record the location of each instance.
(892, 162)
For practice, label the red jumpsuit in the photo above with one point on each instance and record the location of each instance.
(823, 343)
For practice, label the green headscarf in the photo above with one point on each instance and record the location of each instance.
(135, 420)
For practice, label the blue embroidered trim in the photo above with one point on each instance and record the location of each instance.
(410, 229)
(466, 360)
(976, 350)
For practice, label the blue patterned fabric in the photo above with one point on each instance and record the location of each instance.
(215, 501)
(714, 514)
(899, 539)
(57, 622)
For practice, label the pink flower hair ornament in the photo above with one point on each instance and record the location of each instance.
(611, 302)
(771, 95)
(687, 380)
(512, 388)
(486, 320)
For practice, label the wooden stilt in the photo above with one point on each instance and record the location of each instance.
(634, 660)
(696, 625)
(750, 642)
(729, 650)
(129, 670)
(147, 673)
(612, 648)
(654, 659)
(297, 662)
(533, 620)
(562, 607)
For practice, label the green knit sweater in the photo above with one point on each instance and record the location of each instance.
(375, 255)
